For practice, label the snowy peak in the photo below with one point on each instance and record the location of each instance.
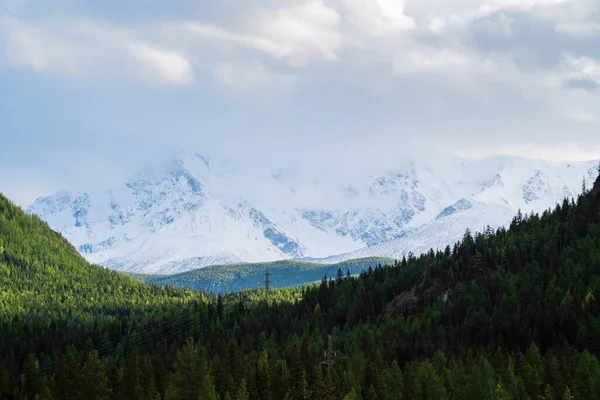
(536, 187)
(460, 205)
(195, 210)
(278, 238)
(161, 217)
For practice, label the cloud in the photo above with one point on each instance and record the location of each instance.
(363, 81)
(296, 34)
(581, 69)
(169, 66)
(378, 18)
(579, 29)
(84, 48)
(376, 40)
(32, 47)
(563, 151)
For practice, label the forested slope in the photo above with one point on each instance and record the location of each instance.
(506, 314)
(42, 274)
(236, 277)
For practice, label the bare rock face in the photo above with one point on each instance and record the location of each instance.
(404, 302)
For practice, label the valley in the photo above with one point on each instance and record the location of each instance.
(511, 310)
(196, 212)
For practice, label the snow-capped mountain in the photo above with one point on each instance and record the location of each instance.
(197, 211)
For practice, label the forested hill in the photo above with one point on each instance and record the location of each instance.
(42, 274)
(506, 314)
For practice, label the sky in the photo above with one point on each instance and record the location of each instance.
(91, 91)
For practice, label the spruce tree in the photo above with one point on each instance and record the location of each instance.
(242, 393)
(263, 376)
(94, 383)
(191, 379)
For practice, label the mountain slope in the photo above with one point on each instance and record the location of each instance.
(41, 274)
(237, 277)
(196, 212)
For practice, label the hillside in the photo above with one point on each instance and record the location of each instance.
(509, 313)
(236, 277)
(50, 296)
(196, 211)
(42, 274)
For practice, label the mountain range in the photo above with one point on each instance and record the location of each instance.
(196, 211)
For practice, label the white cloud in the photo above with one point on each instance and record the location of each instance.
(296, 34)
(84, 48)
(562, 151)
(378, 17)
(437, 24)
(581, 69)
(168, 66)
(367, 80)
(32, 47)
(576, 18)
(456, 49)
(306, 30)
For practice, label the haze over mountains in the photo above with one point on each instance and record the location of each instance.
(198, 211)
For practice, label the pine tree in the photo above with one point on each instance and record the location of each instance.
(94, 383)
(567, 395)
(279, 379)
(191, 379)
(329, 393)
(66, 381)
(393, 382)
(132, 375)
(340, 276)
(32, 378)
(500, 393)
(586, 383)
(242, 393)
(298, 389)
(263, 376)
(352, 395)
(371, 393)
(533, 370)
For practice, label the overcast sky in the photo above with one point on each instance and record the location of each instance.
(90, 91)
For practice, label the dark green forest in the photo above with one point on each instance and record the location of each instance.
(503, 314)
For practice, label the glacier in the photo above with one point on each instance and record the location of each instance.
(198, 210)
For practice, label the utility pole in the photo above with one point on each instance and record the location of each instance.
(268, 286)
